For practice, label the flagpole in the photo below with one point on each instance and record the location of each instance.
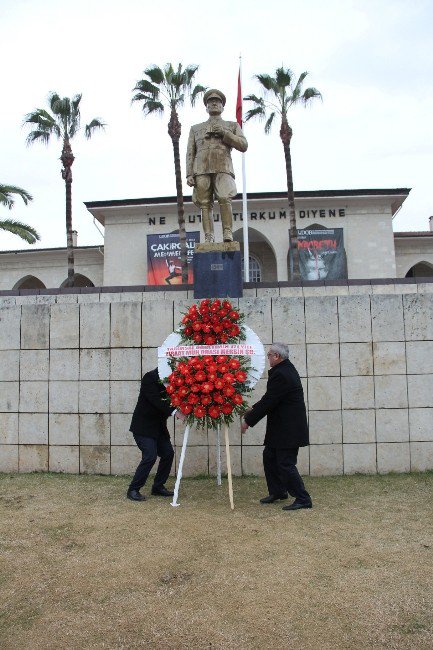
(244, 191)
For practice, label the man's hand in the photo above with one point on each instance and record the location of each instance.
(180, 416)
(219, 131)
(190, 181)
(244, 426)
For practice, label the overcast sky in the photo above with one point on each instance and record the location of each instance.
(372, 60)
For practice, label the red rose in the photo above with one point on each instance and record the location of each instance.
(179, 381)
(229, 390)
(234, 330)
(221, 359)
(183, 391)
(188, 331)
(207, 387)
(194, 361)
(186, 319)
(170, 389)
(200, 375)
(197, 338)
(196, 326)
(206, 399)
(207, 359)
(228, 378)
(226, 323)
(237, 398)
(227, 304)
(214, 412)
(218, 398)
(186, 408)
(195, 388)
(209, 340)
(223, 313)
(219, 384)
(212, 376)
(212, 367)
(234, 363)
(234, 315)
(189, 379)
(172, 378)
(175, 400)
(218, 329)
(193, 398)
(199, 412)
(199, 365)
(241, 376)
(223, 338)
(214, 319)
(227, 409)
(223, 368)
(207, 328)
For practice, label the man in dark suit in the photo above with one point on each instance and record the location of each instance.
(149, 427)
(286, 429)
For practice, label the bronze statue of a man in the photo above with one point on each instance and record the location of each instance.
(209, 167)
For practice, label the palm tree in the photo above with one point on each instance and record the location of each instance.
(63, 122)
(285, 93)
(24, 231)
(169, 86)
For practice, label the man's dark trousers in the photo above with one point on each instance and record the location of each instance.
(151, 448)
(282, 474)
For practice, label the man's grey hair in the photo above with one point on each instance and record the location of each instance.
(281, 348)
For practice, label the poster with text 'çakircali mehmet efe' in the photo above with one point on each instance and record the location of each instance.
(163, 258)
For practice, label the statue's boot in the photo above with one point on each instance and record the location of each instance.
(227, 221)
(207, 221)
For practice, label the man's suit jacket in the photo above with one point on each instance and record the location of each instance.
(284, 405)
(212, 155)
(150, 415)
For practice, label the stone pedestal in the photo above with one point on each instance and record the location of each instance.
(217, 270)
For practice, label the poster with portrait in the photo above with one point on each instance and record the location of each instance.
(163, 258)
(321, 254)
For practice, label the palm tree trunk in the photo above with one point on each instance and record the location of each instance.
(174, 130)
(67, 159)
(286, 135)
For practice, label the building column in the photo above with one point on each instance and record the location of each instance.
(281, 259)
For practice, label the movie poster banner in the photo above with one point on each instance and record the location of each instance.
(321, 254)
(163, 258)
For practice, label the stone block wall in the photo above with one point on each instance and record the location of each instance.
(71, 363)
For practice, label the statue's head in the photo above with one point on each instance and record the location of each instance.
(214, 100)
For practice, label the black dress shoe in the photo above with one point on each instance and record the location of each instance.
(135, 495)
(272, 497)
(162, 492)
(298, 506)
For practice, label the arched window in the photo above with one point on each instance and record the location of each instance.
(29, 282)
(421, 269)
(255, 270)
(79, 281)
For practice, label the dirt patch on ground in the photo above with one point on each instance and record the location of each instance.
(82, 567)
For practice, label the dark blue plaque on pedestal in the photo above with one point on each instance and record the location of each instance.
(217, 273)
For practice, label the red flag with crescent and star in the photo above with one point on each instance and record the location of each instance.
(239, 102)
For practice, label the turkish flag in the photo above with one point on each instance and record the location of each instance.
(239, 102)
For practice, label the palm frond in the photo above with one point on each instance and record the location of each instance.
(189, 72)
(145, 86)
(311, 93)
(38, 135)
(196, 92)
(257, 100)
(259, 112)
(151, 106)
(266, 80)
(283, 77)
(26, 232)
(93, 126)
(6, 192)
(155, 74)
(269, 122)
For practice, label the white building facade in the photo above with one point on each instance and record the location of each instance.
(372, 249)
